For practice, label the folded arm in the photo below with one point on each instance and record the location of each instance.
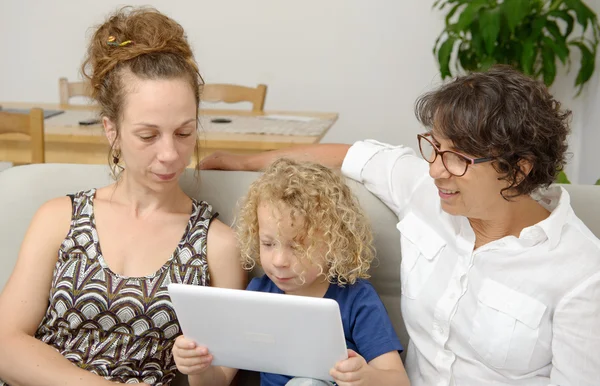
(576, 336)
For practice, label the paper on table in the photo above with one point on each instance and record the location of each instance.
(288, 118)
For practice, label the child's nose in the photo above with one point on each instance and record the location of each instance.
(281, 259)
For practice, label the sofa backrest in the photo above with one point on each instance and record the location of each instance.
(23, 189)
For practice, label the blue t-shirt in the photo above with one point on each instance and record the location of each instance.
(367, 326)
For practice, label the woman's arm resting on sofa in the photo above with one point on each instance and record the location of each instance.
(25, 360)
(330, 155)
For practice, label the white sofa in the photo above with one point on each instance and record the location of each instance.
(23, 189)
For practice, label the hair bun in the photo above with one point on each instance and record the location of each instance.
(148, 30)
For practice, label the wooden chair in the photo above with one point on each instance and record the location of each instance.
(68, 90)
(31, 124)
(230, 93)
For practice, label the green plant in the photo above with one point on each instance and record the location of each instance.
(562, 178)
(527, 34)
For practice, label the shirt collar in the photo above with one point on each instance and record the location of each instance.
(556, 200)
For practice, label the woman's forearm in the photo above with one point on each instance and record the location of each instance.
(330, 155)
(25, 360)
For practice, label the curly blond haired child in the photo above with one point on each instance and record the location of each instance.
(301, 223)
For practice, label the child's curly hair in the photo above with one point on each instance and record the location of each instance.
(331, 213)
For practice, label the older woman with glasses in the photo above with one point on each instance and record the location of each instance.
(500, 279)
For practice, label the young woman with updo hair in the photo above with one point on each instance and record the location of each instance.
(87, 302)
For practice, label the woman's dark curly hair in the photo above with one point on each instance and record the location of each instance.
(504, 114)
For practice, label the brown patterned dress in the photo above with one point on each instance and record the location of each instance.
(121, 328)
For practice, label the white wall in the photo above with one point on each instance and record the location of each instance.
(584, 158)
(366, 60)
(589, 170)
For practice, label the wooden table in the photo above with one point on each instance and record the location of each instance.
(68, 142)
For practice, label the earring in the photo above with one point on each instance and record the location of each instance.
(116, 156)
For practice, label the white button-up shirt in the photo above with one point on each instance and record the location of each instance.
(516, 311)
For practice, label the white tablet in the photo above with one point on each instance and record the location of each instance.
(274, 333)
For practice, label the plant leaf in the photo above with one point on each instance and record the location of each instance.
(561, 178)
(452, 12)
(444, 54)
(489, 26)
(437, 42)
(549, 63)
(467, 16)
(486, 63)
(566, 17)
(554, 30)
(537, 26)
(441, 4)
(597, 182)
(528, 56)
(465, 57)
(588, 63)
(554, 4)
(582, 12)
(515, 11)
(559, 46)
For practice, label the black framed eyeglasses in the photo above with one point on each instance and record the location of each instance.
(454, 162)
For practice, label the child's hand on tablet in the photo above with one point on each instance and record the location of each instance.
(190, 358)
(352, 371)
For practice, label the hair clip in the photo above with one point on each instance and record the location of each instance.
(112, 42)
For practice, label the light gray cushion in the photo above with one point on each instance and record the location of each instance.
(5, 165)
(585, 200)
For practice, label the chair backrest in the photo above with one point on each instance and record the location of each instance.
(231, 93)
(68, 90)
(31, 124)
